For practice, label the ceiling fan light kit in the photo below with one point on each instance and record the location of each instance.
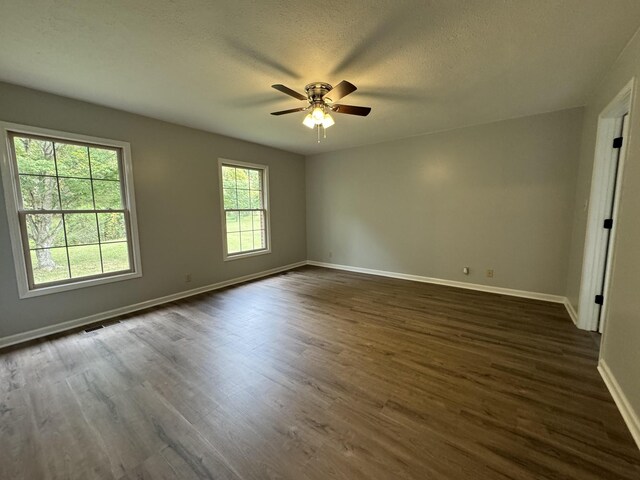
(308, 121)
(321, 98)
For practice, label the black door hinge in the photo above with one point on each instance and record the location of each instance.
(599, 299)
(617, 142)
(608, 223)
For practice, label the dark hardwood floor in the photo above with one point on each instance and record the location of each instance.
(317, 374)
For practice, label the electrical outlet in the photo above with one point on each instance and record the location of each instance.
(465, 270)
(330, 255)
(490, 273)
(187, 278)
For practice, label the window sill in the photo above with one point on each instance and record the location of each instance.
(37, 292)
(238, 256)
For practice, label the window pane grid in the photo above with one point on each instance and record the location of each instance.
(93, 194)
(244, 212)
(43, 211)
(82, 254)
(226, 210)
(73, 255)
(243, 227)
(64, 226)
(79, 245)
(68, 176)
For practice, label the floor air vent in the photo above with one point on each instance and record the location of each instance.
(98, 327)
(93, 329)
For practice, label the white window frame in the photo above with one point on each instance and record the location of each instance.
(8, 170)
(265, 194)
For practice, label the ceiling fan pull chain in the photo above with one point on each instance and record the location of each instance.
(318, 133)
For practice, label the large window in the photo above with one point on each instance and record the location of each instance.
(245, 215)
(69, 202)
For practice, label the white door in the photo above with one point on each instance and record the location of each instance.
(606, 180)
(609, 223)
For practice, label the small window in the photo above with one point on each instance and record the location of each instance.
(245, 214)
(69, 201)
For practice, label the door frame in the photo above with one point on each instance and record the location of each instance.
(595, 250)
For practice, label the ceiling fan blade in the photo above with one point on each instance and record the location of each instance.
(293, 110)
(343, 89)
(288, 91)
(351, 110)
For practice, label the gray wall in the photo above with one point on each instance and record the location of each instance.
(621, 338)
(494, 196)
(176, 185)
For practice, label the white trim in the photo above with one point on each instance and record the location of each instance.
(238, 256)
(265, 198)
(631, 418)
(80, 283)
(602, 181)
(604, 308)
(571, 311)
(9, 174)
(451, 283)
(130, 195)
(61, 327)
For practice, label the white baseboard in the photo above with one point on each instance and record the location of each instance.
(571, 311)
(60, 327)
(631, 418)
(79, 322)
(450, 283)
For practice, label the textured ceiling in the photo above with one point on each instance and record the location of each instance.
(423, 65)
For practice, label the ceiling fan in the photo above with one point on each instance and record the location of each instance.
(321, 98)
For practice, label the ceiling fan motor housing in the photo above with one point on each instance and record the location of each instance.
(317, 90)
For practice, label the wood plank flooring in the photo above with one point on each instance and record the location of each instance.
(317, 374)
